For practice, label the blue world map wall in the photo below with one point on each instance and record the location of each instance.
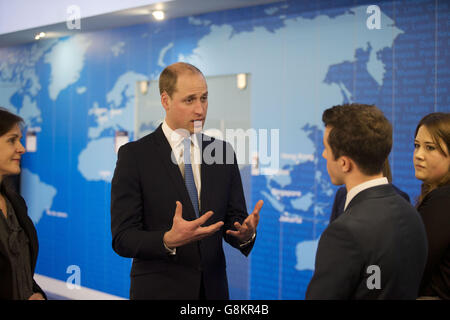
(76, 92)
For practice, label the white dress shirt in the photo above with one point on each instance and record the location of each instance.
(363, 186)
(176, 143)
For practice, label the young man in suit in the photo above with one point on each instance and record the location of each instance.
(377, 249)
(174, 197)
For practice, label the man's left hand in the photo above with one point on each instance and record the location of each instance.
(244, 232)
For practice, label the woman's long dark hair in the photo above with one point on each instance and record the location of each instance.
(438, 125)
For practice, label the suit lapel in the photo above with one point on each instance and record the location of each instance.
(164, 152)
(205, 175)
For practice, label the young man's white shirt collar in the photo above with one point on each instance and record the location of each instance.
(363, 186)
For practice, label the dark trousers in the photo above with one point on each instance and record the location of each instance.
(202, 295)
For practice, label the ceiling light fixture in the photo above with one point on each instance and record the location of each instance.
(158, 15)
(241, 81)
(39, 35)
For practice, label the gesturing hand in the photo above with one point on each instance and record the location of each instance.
(247, 229)
(184, 231)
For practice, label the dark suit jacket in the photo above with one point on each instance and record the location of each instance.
(25, 222)
(378, 228)
(341, 196)
(144, 191)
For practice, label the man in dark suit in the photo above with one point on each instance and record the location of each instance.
(377, 248)
(175, 195)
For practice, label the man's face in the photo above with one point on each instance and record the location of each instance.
(11, 151)
(188, 104)
(333, 168)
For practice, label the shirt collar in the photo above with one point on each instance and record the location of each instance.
(175, 138)
(363, 186)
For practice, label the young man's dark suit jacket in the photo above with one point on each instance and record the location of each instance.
(20, 209)
(145, 188)
(380, 228)
(341, 196)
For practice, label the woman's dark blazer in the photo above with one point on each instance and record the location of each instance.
(435, 213)
(25, 222)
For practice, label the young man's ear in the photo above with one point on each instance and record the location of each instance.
(346, 164)
(165, 100)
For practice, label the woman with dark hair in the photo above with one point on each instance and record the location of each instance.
(18, 238)
(432, 166)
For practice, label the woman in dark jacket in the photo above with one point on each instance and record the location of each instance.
(432, 166)
(18, 238)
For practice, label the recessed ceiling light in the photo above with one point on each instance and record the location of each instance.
(39, 35)
(158, 14)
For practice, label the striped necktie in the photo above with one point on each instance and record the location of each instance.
(189, 175)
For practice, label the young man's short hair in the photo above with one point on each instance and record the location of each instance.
(169, 76)
(360, 132)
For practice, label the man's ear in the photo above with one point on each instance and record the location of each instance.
(346, 164)
(165, 101)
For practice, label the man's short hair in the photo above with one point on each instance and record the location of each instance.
(169, 76)
(360, 132)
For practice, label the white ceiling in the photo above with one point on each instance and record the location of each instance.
(20, 20)
(20, 15)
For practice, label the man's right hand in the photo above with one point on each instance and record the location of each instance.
(184, 231)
